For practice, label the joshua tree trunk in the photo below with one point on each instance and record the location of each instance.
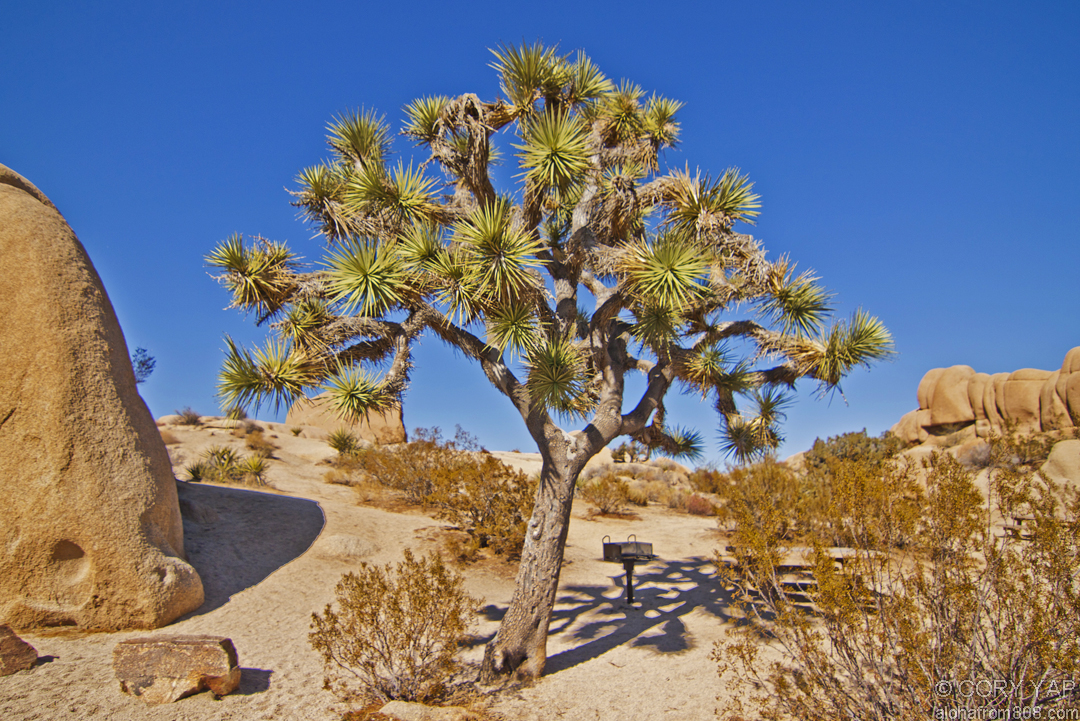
(521, 644)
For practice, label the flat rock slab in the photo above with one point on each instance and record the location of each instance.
(15, 654)
(405, 711)
(163, 669)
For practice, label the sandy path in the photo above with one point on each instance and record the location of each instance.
(268, 560)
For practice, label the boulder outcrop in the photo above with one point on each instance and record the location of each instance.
(89, 522)
(164, 669)
(15, 654)
(957, 403)
(379, 428)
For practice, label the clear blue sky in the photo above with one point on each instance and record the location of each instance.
(922, 157)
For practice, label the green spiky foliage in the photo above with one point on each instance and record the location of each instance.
(601, 262)
(649, 260)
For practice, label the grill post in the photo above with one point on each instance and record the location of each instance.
(628, 566)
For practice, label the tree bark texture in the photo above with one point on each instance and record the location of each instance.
(520, 646)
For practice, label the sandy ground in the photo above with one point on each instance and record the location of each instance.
(270, 559)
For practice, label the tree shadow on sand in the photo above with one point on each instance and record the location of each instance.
(236, 537)
(664, 593)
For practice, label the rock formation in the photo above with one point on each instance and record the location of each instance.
(15, 654)
(956, 403)
(89, 522)
(164, 669)
(379, 428)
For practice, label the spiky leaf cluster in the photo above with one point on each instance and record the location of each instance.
(600, 262)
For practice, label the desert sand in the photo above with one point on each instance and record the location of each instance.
(270, 558)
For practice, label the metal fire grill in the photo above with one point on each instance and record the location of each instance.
(628, 553)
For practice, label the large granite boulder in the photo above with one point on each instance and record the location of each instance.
(379, 428)
(89, 522)
(1029, 400)
(943, 391)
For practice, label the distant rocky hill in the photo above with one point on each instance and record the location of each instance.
(958, 404)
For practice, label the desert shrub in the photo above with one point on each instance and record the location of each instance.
(976, 455)
(258, 444)
(344, 442)
(637, 496)
(708, 480)
(296, 430)
(799, 507)
(630, 452)
(676, 499)
(412, 467)
(607, 493)
(473, 490)
(1020, 451)
(852, 447)
(169, 438)
(933, 602)
(188, 417)
(698, 506)
(487, 499)
(339, 476)
(658, 492)
(236, 413)
(393, 635)
(761, 500)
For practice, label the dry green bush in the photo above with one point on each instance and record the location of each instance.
(339, 476)
(257, 442)
(658, 492)
(935, 604)
(698, 506)
(487, 499)
(801, 507)
(637, 496)
(708, 480)
(608, 493)
(468, 487)
(856, 446)
(412, 467)
(188, 417)
(394, 635)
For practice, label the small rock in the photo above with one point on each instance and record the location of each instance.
(340, 546)
(405, 711)
(15, 654)
(163, 669)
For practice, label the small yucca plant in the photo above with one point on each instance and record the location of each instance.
(198, 471)
(344, 441)
(253, 469)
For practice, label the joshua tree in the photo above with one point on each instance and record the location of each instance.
(599, 262)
